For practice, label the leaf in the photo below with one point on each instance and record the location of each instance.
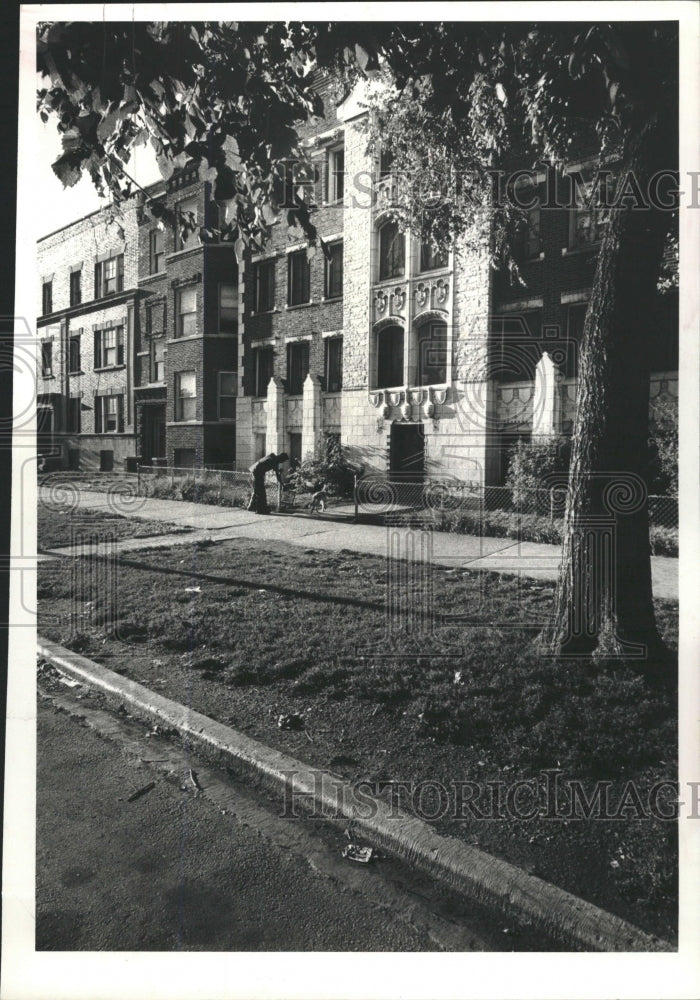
(69, 167)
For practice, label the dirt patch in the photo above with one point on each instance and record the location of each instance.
(396, 690)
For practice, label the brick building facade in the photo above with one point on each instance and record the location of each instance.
(422, 363)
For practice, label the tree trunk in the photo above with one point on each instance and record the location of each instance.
(603, 603)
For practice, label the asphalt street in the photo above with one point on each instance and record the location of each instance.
(173, 868)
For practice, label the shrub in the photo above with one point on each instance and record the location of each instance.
(663, 541)
(663, 444)
(533, 464)
(331, 471)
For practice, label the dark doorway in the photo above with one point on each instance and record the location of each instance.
(106, 461)
(153, 433)
(407, 458)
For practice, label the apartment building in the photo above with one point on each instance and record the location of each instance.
(138, 338)
(88, 290)
(186, 358)
(423, 362)
(156, 347)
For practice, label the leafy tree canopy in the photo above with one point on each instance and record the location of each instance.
(465, 97)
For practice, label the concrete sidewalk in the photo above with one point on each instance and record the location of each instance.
(499, 555)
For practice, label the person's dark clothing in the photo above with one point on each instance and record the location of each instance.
(270, 463)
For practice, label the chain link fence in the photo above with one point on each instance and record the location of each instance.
(394, 495)
(223, 487)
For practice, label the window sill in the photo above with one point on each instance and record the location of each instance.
(264, 312)
(333, 298)
(580, 248)
(300, 305)
(110, 368)
(182, 252)
(79, 371)
(398, 279)
(181, 340)
(46, 378)
(153, 277)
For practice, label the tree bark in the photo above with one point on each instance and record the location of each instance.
(603, 603)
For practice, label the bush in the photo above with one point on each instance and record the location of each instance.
(331, 472)
(533, 464)
(663, 541)
(663, 443)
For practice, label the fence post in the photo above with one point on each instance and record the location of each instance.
(138, 480)
(354, 495)
(279, 496)
(221, 485)
(172, 478)
(551, 505)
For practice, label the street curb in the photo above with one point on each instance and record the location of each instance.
(494, 884)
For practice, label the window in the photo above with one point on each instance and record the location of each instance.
(47, 298)
(336, 175)
(156, 251)
(589, 218)
(73, 415)
(109, 414)
(386, 163)
(334, 364)
(185, 396)
(390, 357)
(297, 367)
(228, 390)
(74, 354)
(526, 239)
(158, 359)
(186, 312)
(298, 291)
(432, 354)
(228, 308)
(186, 215)
(432, 258)
(155, 319)
(294, 450)
(334, 271)
(392, 252)
(109, 276)
(76, 294)
(516, 346)
(109, 347)
(576, 319)
(46, 359)
(185, 458)
(264, 286)
(264, 360)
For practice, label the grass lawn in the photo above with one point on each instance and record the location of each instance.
(271, 629)
(57, 527)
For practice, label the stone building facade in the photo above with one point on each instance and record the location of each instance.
(421, 363)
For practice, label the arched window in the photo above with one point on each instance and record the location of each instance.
(432, 354)
(390, 348)
(392, 252)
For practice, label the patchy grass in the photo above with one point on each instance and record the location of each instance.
(244, 632)
(663, 541)
(57, 526)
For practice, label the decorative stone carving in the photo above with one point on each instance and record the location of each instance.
(386, 411)
(406, 411)
(428, 409)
